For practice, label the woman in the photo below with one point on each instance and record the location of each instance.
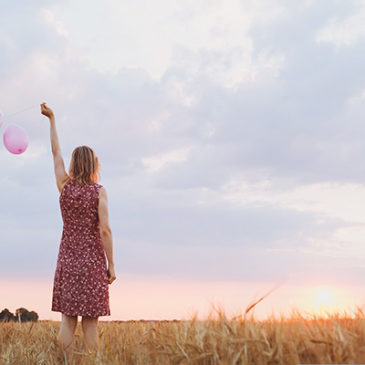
(81, 279)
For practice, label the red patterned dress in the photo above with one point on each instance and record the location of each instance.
(81, 286)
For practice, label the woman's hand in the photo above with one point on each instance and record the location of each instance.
(45, 110)
(111, 273)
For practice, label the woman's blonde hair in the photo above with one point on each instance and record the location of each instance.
(84, 166)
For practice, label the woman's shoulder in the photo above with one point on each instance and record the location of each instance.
(98, 187)
(102, 191)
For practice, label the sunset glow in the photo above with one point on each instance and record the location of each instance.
(138, 297)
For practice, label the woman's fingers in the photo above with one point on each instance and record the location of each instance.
(111, 275)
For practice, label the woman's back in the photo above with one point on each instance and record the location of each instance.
(81, 280)
(79, 208)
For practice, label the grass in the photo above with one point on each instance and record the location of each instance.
(334, 339)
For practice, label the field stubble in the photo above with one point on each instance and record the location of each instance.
(293, 340)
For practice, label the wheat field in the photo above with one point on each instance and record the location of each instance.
(296, 339)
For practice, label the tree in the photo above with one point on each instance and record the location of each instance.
(25, 315)
(7, 316)
(21, 315)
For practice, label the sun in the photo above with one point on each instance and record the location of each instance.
(324, 299)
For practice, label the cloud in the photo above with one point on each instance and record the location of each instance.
(331, 199)
(138, 35)
(344, 30)
(156, 163)
(58, 26)
(230, 137)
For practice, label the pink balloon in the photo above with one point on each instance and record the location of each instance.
(15, 139)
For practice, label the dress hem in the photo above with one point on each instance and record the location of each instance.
(82, 315)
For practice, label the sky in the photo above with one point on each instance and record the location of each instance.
(230, 136)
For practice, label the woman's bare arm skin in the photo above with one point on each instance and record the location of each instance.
(59, 165)
(106, 232)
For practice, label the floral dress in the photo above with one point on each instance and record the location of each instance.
(81, 286)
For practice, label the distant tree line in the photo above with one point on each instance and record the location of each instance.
(21, 315)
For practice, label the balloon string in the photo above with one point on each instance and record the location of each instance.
(20, 111)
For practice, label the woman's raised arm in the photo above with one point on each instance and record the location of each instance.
(59, 165)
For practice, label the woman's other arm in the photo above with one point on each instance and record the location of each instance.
(59, 165)
(106, 232)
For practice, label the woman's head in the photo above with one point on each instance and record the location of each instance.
(84, 166)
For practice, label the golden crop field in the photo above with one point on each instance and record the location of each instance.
(336, 339)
